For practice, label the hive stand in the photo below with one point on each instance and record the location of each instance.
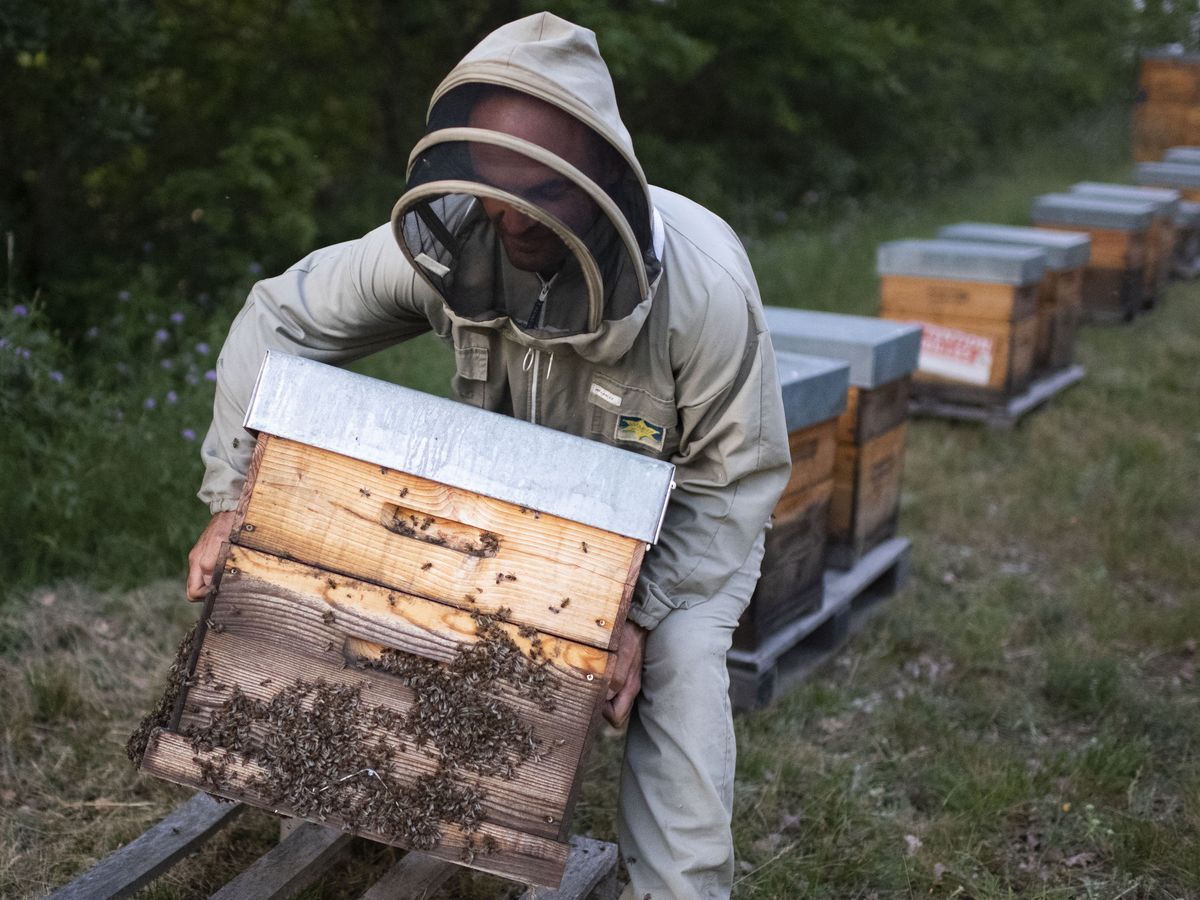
(1001, 415)
(852, 596)
(300, 859)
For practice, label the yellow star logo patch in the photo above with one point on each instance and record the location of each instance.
(638, 430)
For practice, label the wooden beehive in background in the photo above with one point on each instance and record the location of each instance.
(1179, 175)
(977, 304)
(1114, 281)
(793, 566)
(1060, 295)
(1161, 246)
(869, 460)
(1168, 103)
(390, 548)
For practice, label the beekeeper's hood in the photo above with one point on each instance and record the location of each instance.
(483, 156)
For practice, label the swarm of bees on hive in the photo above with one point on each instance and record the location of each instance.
(322, 751)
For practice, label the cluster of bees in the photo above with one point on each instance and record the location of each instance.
(322, 752)
(160, 716)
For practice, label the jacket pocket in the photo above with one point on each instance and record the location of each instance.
(631, 418)
(470, 375)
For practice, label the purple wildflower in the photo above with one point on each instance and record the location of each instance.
(121, 368)
(93, 332)
(202, 348)
(255, 268)
(56, 377)
(23, 352)
(3, 343)
(20, 310)
(167, 363)
(124, 296)
(161, 336)
(191, 378)
(149, 403)
(177, 318)
(210, 375)
(172, 397)
(188, 434)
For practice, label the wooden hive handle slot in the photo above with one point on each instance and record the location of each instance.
(440, 532)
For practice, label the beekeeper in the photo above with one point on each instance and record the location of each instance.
(574, 296)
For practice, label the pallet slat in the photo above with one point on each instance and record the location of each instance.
(291, 866)
(153, 852)
(591, 862)
(415, 876)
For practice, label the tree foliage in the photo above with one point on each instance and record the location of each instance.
(193, 140)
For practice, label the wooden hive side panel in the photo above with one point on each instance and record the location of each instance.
(866, 490)
(438, 542)
(872, 411)
(812, 450)
(918, 297)
(274, 623)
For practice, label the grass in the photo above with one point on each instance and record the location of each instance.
(1021, 721)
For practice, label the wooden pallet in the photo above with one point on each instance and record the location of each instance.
(1000, 415)
(757, 676)
(301, 858)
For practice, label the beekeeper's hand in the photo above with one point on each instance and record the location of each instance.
(626, 680)
(203, 558)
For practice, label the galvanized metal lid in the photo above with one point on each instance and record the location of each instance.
(460, 446)
(1188, 155)
(877, 350)
(1063, 249)
(814, 388)
(962, 261)
(1088, 211)
(1174, 52)
(1166, 199)
(1184, 176)
(1189, 215)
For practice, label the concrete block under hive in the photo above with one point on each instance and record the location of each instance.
(1060, 294)
(977, 305)
(793, 567)
(869, 460)
(412, 630)
(1162, 230)
(1114, 282)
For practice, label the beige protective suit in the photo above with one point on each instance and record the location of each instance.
(650, 337)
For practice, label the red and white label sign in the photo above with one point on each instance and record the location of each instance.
(960, 355)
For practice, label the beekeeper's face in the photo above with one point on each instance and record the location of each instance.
(530, 245)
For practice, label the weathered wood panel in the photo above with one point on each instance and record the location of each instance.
(866, 493)
(793, 565)
(812, 450)
(433, 541)
(872, 411)
(516, 855)
(962, 299)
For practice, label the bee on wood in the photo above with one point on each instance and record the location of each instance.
(364, 492)
(426, 567)
(403, 493)
(328, 617)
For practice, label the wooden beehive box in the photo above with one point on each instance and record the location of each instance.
(1114, 280)
(1162, 229)
(1186, 262)
(412, 629)
(793, 567)
(1060, 294)
(869, 460)
(1182, 175)
(1167, 100)
(977, 304)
